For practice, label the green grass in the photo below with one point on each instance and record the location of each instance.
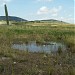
(15, 62)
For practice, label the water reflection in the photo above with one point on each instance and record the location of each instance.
(34, 47)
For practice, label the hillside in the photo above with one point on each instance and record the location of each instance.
(51, 21)
(12, 18)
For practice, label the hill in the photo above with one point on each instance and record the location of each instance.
(51, 21)
(12, 18)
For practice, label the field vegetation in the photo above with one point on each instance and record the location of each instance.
(16, 62)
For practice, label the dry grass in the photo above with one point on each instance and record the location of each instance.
(15, 62)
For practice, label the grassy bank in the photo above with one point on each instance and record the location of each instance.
(14, 62)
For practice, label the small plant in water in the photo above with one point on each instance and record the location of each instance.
(59, 50)
(1, 68)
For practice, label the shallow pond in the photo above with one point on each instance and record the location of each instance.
(32, 46)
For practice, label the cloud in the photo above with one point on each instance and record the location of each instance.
(66, 19)
(53, 11)
(43, 10)
(2, 2)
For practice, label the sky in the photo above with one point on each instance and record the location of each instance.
(40, 9)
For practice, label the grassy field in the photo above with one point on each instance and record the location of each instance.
(16, 62)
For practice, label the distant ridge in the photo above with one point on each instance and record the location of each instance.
(12, 18)
(51, 21)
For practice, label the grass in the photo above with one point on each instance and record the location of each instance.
(15, 62)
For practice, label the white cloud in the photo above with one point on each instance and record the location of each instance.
(66, 19)
(43, 10)
(70, 15)
(69, 19)
(53, 11)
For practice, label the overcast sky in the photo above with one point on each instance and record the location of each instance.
(40, 9)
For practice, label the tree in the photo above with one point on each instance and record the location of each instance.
(6, 14)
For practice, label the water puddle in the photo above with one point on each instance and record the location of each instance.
(32, 46)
